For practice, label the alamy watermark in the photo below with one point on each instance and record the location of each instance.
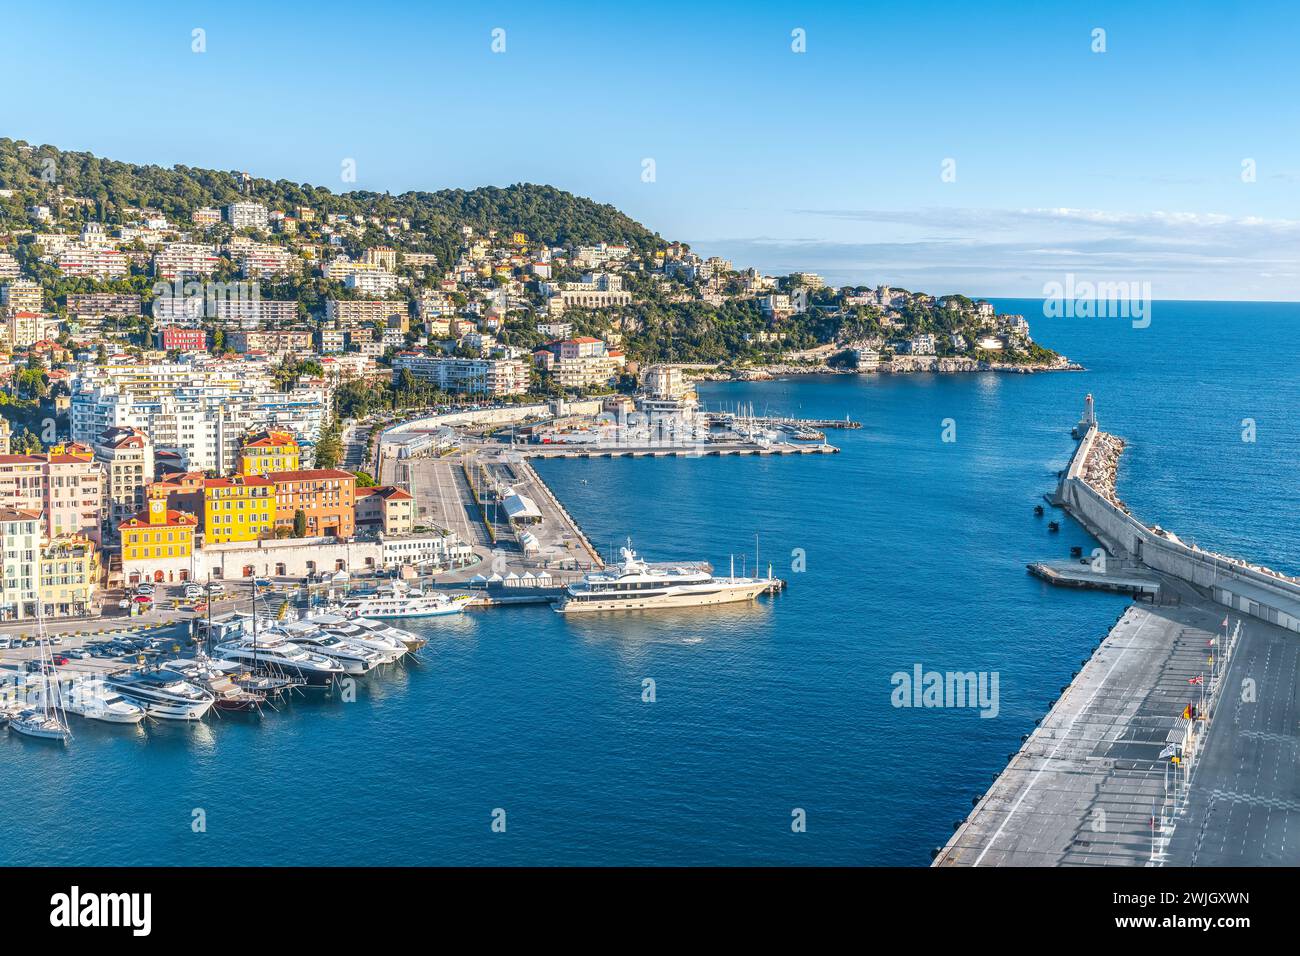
(1085, 299)
(951, 689)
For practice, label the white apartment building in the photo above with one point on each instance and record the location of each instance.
(21, 294)
(247, 215)
(260, 258)
(475, 376)
(93, 262)
(599, 290)
(373, 282)
(185, 260)
(20, 564)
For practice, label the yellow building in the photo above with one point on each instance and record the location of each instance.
(158, 544)
(268, 451)
(70, 575)
(239, 508)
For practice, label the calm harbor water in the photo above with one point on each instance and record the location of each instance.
(914, 552)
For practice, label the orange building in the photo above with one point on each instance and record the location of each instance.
(327, 497)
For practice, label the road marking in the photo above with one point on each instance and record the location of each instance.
(1038, 773)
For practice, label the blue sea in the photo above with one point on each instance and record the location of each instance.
(902, 550)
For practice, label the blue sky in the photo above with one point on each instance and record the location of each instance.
(1122, 165)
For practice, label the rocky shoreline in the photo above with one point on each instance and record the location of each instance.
(900, 365)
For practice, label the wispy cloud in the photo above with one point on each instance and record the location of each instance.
(1015, 251)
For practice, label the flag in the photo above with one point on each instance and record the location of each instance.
(1210, 642)
(1168, 752)
(1225, 621)
(1198, 679)
(1209, 660)
(1175, 760)
(1187, 712)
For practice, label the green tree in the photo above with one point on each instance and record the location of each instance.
(299, 524)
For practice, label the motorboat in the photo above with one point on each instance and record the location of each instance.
(162, 693)
(93, 699)
(389, 641)
(354, 658)
(273, 653)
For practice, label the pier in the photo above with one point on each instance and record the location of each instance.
(485, 490)
(1174, 744)
(678, 451)
(1109, 577)
(761, 421)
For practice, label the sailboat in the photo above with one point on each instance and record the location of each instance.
(48, 720)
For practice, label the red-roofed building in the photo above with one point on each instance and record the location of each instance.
(325, 496)
(387, 509)
(158, 544)
(65, 487)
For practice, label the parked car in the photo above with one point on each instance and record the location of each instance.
(60, 660)
(216, 587)
(4, 643)
(78, 653)
(124, 604)
(56, 640)
(144, 589)
(193, 591)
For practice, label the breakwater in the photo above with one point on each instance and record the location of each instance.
(1087, 491)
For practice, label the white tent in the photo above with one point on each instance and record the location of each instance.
(521, 508)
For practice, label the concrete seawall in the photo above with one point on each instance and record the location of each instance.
(1231, 582)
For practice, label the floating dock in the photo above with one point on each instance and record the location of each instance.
(1082, 574)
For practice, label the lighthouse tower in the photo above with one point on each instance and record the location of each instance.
(1089, 419)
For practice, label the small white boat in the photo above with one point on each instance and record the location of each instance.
(91, 698)
(104, 705)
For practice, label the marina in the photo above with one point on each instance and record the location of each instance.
(511, 704)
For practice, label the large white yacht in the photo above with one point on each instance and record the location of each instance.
(637, 585)
(397, 600)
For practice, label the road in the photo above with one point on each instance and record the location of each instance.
(1245, 798)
